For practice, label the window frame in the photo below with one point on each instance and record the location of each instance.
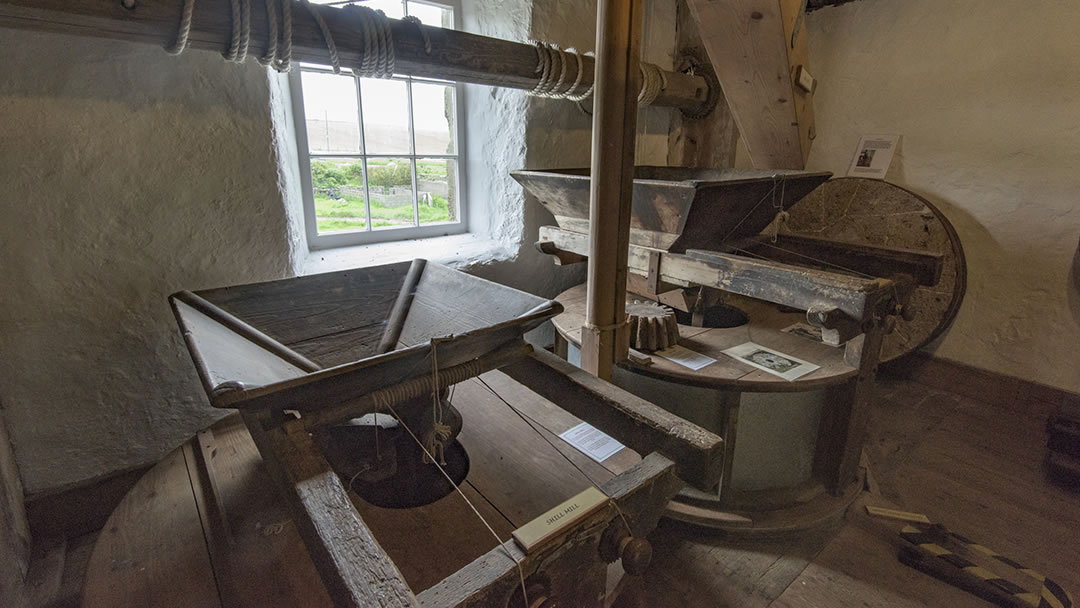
(370, 234)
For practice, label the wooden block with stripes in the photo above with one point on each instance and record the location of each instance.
(977, 569)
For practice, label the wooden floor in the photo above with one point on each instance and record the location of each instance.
(974, 466)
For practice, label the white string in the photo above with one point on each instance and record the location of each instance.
(183, 30)
(521, 572)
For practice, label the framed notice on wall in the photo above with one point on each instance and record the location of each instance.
(873, 156)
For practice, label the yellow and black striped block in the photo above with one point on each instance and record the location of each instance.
(933, 550)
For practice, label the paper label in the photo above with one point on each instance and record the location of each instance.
(561, 517)
(873, 156)
(591, 441)
(773, 361)
(685, 357)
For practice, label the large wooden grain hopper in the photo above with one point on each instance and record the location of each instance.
(315, 363)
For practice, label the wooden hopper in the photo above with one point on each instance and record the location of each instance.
(679, 208)
(298, 357)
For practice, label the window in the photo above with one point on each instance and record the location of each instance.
(379, 158)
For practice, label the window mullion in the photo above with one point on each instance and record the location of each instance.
(412, 158)
(363, 151)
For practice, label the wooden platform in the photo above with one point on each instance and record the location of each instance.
(766, 321)
(975, 466)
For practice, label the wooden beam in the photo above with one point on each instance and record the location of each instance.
(755, 50)
(455, 55)
(925, 267)
(642, 492)
(706, 142)
(638, 424)
(355, 569)
(794, 286)
(618, 80)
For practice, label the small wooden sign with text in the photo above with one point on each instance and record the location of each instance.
(548, 525)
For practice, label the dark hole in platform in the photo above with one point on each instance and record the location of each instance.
(720, 315)
(394, 476)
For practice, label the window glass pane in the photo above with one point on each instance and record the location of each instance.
(333, 126)
(392, 8)
(434, 116)
(386, 116)
(390, 185)
(436, 190)
(338, 189)
(438, 16)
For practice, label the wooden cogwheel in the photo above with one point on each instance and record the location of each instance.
(873, 212)
(652, 326)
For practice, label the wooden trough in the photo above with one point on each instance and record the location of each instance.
(679, 208)
(314, 363)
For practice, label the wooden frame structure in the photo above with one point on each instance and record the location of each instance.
(286, 398)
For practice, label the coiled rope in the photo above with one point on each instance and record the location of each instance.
(377, 59)
(551, 65)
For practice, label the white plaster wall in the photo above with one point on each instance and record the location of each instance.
(987, 98)
(126, 175)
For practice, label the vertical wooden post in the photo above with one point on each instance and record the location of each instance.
(604, 339)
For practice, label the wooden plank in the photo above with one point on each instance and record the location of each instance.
(267, 562)
(924, 267)
(554, 420)
(636, 423)
(788, 285)
(301, 308)
(455, 55)
(513, 467)
(746, 42)
(396, 322)
(699, 142)
(449, 529)
(353, 566)
(152, 552)
(611, 184)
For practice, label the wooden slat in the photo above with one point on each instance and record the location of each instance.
(268, 564)
(161, 562)
(788, 285)
(633, 421)
(924, 267)
(353, 566)
(511, 465)
(746, 42)
(455, 55)
(302, 308)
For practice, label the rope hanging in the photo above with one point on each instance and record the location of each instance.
(183, 30)
(241, 31)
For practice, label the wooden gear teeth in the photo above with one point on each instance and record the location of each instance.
(653, 326)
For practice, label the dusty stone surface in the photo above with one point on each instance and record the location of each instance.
(989, 119)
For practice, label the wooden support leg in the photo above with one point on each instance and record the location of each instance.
(618, 50)
(843, 423)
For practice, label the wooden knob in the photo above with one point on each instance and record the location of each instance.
(636, 556)
(635, 553)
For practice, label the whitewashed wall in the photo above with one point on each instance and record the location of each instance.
(987, 98)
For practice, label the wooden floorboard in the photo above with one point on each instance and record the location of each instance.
(973, 465)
